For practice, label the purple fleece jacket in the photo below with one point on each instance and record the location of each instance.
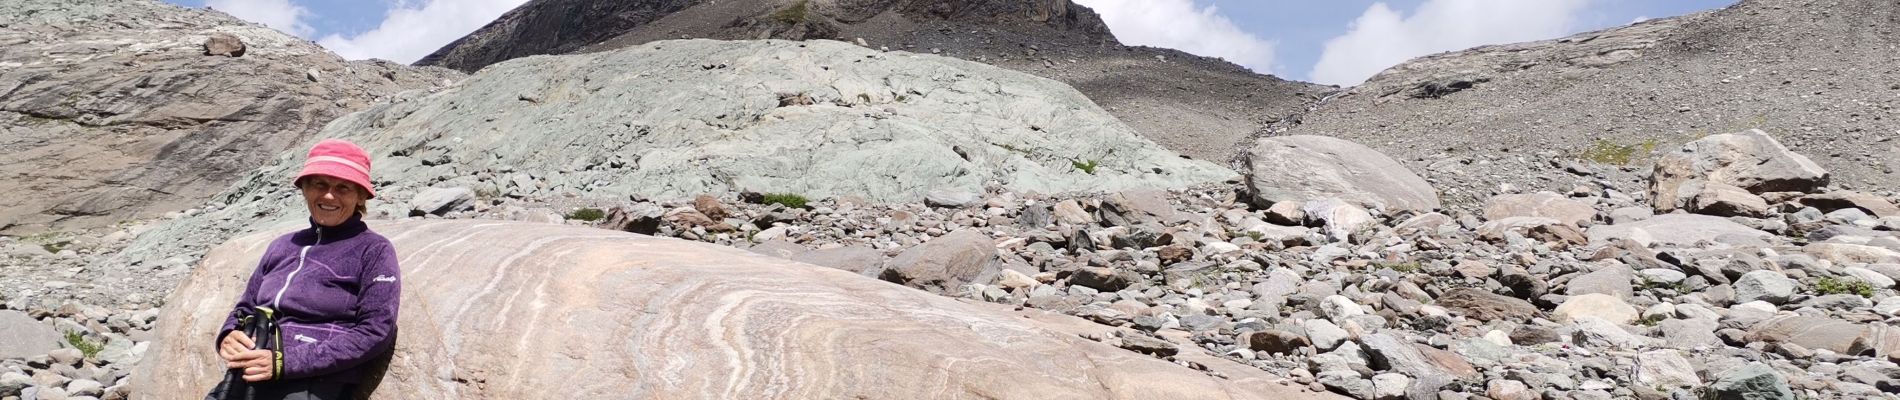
(336, 292)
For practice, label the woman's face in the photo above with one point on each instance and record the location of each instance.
(331, 200)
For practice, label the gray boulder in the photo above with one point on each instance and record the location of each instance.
(1613, 280)
(1765, 285)
(1720, 199)
(21, 336)
(1305, 168)
(1755, 381)
(952, 198)
(1540, 204)
(1339, 218)
(944, 264)
(439, 201)
(1750, 160)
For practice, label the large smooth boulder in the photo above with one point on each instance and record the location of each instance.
(1676, 230)
(516, 310)
(1540, 204)
(1305, 168)
(1749, 160)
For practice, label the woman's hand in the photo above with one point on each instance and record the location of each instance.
(256, 364)
(234, 343)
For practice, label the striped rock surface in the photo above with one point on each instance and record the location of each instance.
(497, 309)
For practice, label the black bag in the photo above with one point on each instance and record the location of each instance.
(260, 324)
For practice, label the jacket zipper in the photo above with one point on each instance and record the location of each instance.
(301, 255)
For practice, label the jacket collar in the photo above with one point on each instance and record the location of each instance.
(348, 229)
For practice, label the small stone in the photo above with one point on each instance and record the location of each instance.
(1277, 342)
(1870, 277)
(1339, 307)
(85, 387)
(224, 44)
(1486, 306)
(1506, 389)
(1665, 369)
(1149, 345)
(1390, 385)
(1765, 285)
(1348, 383)
(1531, 335)
(1103, 279)
(1324, 334)
(1598, 305)
(1686, 334)
(66, 356)
(1755, 381)
(951, 199)
(1286, 213)
(1498, 337)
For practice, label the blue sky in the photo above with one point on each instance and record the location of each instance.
(1332, 41)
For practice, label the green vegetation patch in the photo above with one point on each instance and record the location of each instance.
(786, 199)
(798, 12)
(1088, 167)
(1829, 285)
(587, 214)
(87, 347)
(1608, 152)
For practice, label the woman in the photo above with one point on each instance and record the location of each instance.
(332, 289)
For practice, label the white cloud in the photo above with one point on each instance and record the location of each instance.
(1178, 24)
(409, 32)
(1639, 19)
(1381, 38)
(277, 14)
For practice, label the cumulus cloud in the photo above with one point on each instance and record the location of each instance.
(1381, 37)
(409, 31)
(1178, 24)
(277, 14)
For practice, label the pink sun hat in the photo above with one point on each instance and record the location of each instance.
(340, 159)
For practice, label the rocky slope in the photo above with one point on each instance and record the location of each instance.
(1200, 107)
(1582, 294)
(114, 110)
(1814, 73)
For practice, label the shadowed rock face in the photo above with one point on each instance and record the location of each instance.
(565, 26)
(111, 110)
(514, 310)
(1200, 107)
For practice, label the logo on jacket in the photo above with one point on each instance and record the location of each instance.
(385, 278)
(305, 339)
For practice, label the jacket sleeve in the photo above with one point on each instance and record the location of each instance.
(370, 336)
(244, 300)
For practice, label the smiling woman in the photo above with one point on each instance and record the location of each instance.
(339, 316)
